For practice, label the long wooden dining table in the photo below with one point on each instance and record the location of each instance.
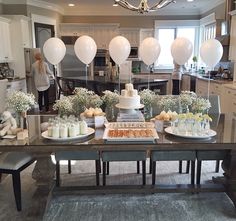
(42, 149)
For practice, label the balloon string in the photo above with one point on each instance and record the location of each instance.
(119, 77)
(86, 75)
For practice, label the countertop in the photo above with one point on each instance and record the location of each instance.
(219, 81)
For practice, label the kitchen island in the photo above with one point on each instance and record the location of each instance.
(99, 84)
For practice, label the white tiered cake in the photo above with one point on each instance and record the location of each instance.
(129, 98)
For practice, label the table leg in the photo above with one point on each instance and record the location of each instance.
(44, 171)
(229, 166)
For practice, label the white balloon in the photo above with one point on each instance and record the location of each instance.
(149, 50)
(54, 50)
(181, 50)
(211, 52)
(85, 49)
(119, 49)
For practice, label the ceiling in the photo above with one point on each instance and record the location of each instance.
(104, 7)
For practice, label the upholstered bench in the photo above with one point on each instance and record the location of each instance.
(77, 155)
(112, 156)
(170, 155)
(208, 155)
(13, 163)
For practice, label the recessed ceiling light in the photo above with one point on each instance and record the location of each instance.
(190, 0)
(115, 4)
(71, 5)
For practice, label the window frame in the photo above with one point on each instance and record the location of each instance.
(175, 24)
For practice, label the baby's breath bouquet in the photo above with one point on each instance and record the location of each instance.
(83, 98)
(20, 101)
(147, 98)
(186, 99)
(110, 98)
(200, 105)
(168, 103)
(64, 106)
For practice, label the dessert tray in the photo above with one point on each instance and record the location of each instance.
(90, 131)
(128, 108)
(136, 125)
(130, 134)
(210, 133)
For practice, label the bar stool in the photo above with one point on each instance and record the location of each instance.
(77, 155)
(172, 155)
(112, 156)
(13, 163)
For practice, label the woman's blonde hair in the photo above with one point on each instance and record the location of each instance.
(41, 67)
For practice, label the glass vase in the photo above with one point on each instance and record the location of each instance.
(110, 112)
(21, 119)
(148, 112)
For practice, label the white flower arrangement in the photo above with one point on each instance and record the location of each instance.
(200, 105)
(168, 103)
(83, 99)
(186, 98)
(20, 101)
(64, 106)
(147, 97)
(110, 98)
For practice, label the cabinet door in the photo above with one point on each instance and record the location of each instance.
(132, 35)
(185, 83)
(5, 54)
(25, 34)
(232, 48)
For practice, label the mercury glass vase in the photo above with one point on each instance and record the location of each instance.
(147, 112)
(110, 112)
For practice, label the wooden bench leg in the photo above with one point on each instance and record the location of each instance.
(153, 172)
(97, 168)
(144, 171)
(217, 169)
(180, 166)
(104, 173)
(199, 168)
(150, 165)
(192, 171)
(58, 173)
(17, 189)
(138, 167)
(69, 166)
(108, 168)
(187, 166)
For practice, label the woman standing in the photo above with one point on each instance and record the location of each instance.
(42, 75)
(176, 79)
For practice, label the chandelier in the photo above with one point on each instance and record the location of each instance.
(143, 5)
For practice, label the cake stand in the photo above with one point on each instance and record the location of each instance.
(129, 110)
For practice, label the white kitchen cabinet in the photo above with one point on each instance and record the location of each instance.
(185, 84)
(20, 38)
(232, 48)
(16, 85)
(146, 33)
(101, 33)
(132, 35)
(229, 98)
(5, 43)
(201, 87)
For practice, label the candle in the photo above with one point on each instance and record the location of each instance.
(63, 131)
(55, 131)
(83, 127)
(72, 130)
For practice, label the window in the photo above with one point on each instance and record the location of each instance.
(167, 31)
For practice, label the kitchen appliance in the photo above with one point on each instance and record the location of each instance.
(71, 66)
(101, 61)
(133, 53)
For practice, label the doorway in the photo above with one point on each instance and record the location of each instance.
(42, 33)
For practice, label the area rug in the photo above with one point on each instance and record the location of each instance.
(154, 207)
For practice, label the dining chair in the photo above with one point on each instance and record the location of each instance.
(119, 156)
(77, 155)
(13, 163)
(214, 113)
(172, 155)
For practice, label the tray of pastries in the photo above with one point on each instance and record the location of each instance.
(120, 125)
(130, 134)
